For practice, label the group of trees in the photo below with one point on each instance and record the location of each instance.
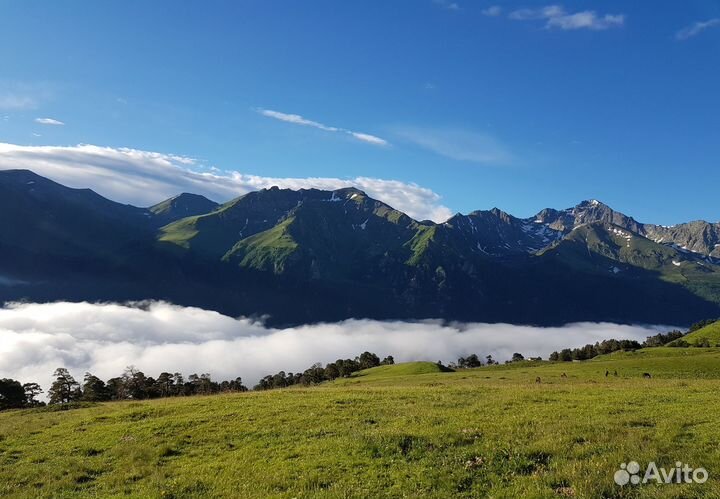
(701, 343)
(316, 373)
(704, 342)
(609, 346)
(14, 395)
(589, 351)
(133, 384)
(701, 324)
(472, 361)
(661, 339)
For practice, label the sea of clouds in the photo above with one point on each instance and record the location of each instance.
(103, 339)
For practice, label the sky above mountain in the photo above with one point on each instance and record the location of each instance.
(434, 106)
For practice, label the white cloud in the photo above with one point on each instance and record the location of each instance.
(48, 121)
(372, 139)
(296, 119)
(447, 4)
(461, 145)
(557, 17)
(586, 20)
(144, 178)
(541, 13)
(492, 11)
(105, 338)
(697, 28)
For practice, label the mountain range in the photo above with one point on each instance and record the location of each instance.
(302, 256)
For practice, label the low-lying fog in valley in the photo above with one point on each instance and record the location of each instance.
(105, 338)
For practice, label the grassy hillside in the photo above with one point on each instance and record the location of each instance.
(405, 369)
(267, 250)
(401, 431)
(711, 333)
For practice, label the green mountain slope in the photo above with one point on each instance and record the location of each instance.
(267, 250)
(181, 206)
(709, 334)
(214, 234)
(336, 235)
(313, 255)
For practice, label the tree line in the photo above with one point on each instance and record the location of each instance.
(608, 346)
(473, 360)
(704, 342)
(14, 395)
(341, 368)
(133, 384)
(590, 351)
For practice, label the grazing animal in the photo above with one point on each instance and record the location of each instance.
(563, 375)
(647, 375)
(537, 380)
(607, 373)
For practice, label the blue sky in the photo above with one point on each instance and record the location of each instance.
(520, 105)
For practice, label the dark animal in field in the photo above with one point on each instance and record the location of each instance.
(647, 375)
(537, 380)
(563, 375)
(607, 373)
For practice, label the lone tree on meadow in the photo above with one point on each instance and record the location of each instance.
(32, 390)
(470, 362)
(388, 361)
(64, 389)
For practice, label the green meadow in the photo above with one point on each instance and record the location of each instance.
(408, 430)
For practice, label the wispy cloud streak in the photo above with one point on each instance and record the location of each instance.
(49, 121)
(556, 17)
(697, 28)
(447, 4)
(296, 119)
